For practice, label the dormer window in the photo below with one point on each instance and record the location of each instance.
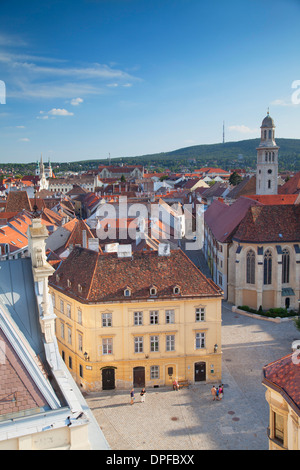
(127, 292)
(69, 283)
(153, 290)
(57, 277)
(79, 288)
(176, 290)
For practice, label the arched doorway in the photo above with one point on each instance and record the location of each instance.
(139, 377)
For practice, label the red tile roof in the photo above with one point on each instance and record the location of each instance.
(103, 277)
(292, 186)
(284, 376)
(276, 199)
(270, 224)
(223, 220)
(17, 201)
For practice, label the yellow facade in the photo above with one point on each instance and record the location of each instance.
(284, 423)
(121, 344)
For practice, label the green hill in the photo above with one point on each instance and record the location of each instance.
(241, 154)
(228, 155)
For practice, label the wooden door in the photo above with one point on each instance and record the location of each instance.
(139, 377)
(200, 371)
(108, 379)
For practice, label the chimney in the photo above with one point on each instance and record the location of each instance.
(164, 249)
(84, 239)
(124, 251)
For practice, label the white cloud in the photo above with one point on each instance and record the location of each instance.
(76, 101)
(280, 102)
(20, 127)
(24, 139)
(43, 77)
(242, 129)
(43, 117)
(60, 112)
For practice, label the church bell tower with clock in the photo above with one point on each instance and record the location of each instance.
(267, 159)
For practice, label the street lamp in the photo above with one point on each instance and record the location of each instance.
(86, 356)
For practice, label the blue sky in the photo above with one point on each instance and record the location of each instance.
(89, 78)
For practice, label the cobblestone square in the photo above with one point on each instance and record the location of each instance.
(190, 419)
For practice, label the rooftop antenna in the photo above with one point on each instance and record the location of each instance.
(109, 159)
(223, 133)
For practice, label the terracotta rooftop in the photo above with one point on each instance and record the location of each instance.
(276, 199)
(223, 219)
(246, 187)
(76, 236)
(17, 201)
(284, 376)
(292, 186)
(104, 277)
(269, 224)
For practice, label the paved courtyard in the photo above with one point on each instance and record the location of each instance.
(189, 419)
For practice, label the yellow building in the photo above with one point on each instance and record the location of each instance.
(138, 320)
(282, 380)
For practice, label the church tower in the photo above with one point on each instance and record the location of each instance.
(267, 159)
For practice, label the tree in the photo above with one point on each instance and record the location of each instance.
(123, 179)
(235, 178)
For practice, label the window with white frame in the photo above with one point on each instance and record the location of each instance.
(80, 342)
(200, 314)
(69, 335)
(170, 316)
(68, 310)
(138, 344)
(107, 346)
(53, 299)
(62, 330)
(138, 318)
(79, 316)
(61, 303)
(106, 319)
(170, 342)
(154, 343)
(154, 317)
(200, 341)
(154, 372)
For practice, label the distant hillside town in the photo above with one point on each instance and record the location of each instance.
(127, 268)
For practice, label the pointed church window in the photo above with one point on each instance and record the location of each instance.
(250, 270)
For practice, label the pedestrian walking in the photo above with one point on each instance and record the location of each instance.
(132, 396)
(220, 395)
(143, 393)
(213, 392)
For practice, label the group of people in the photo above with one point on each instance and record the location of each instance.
(142, 395)
(217, 392)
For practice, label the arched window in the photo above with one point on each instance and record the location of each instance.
(268, 267)
(250, 267)
(285, 266)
